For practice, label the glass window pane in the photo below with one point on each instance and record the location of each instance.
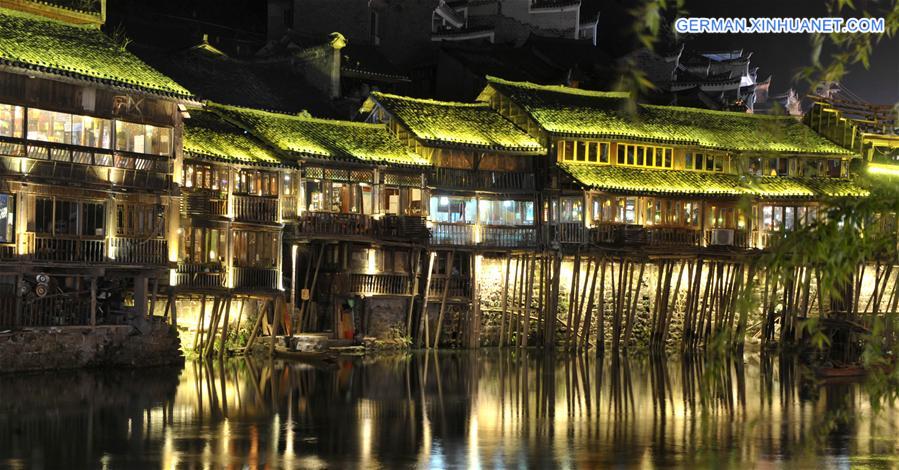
(11, 120)
(6, 218)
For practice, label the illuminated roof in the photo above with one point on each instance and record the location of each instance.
(573, 112)
(682, 182)
(206, 135)
(472, 125)
(80, 52)
(323, 138)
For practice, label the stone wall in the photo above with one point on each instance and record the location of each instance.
(149, 344)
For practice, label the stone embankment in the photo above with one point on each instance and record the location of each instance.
(142, 345)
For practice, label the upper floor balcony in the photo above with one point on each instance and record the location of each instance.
(480, 180)
(88, 250)
(66, 164)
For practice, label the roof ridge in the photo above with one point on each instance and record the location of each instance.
(475, 104)
(296, 116)
(559, 88)
(35, 17)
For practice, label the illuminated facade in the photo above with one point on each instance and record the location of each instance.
(119, 191)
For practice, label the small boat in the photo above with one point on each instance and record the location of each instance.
(308, 356)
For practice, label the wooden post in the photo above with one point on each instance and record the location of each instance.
(532, 268)
(198, 337)
(152, 309)
(174, 306)
(416, 269)
(293, 280)
(505, 301)
(225, 329)
(318, 264)
(588, 314)
(442, 305)
(256, 327)
(275, 322)
(214, 320)
(93, 300)
(423, 316)
(550, 328)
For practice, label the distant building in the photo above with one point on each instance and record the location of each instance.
(408, 33)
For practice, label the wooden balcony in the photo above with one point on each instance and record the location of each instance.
(567, 233)
(719, 237)
(212, 203)
(62, 309)
(763, 239)
(200, 275)
(139, 251)
(7, 251)
(450, 234)
(65, 249)
(288, 207)
(332, 224)
(372, 284)
(459, 287)
(451, 178)
(501, 236)
(255, 278)
(260, 209)
(672, 236)
(398, 227)
(617, 234)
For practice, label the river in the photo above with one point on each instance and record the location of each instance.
(488, 409)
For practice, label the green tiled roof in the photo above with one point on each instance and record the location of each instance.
(474, 125)
(569, 111)
(81, 52)
(682, 182)
(323, 138)
(207, 135)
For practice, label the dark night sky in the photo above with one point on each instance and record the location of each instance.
(782, 55)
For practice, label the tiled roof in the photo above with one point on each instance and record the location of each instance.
(694, 183)
(81, 52)
(207, 135)
(323, 138)
(473, 125)
(568, 111)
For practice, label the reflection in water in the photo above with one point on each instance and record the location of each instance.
(487, 408)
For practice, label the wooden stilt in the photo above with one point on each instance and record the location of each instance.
(276, 313)
(423, 316)
(442, 305)
(504, 302)
(227, 309)
(198, 338)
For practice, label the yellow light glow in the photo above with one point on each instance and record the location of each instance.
(885, 170)
(372, 267)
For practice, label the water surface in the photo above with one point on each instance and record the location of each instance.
(445, 410)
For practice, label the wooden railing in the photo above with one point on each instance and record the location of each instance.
(720, 237)
(201, 275)
(672, 236)
(452, 234)
(459, 287)
(508, 236)
(256, 208)
(288, 207)
(255, 278)
(58, 309)
(7, 251)
(617, 234)
(65, 249)
(764, 239)
(205, 203)
(399, 227)
(574, 233)
(126, 250)
(372, 284)
(334, 224)
(85, 164)
(451, 178)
